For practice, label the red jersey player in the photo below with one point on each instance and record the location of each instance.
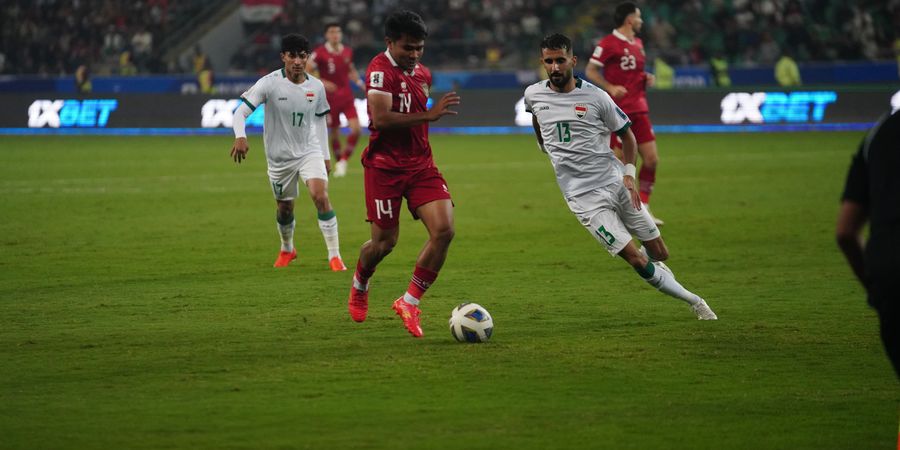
(398, 163)
(332, 62)
(620, 56)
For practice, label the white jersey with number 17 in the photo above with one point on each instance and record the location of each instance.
(289, 128)
(575, 127)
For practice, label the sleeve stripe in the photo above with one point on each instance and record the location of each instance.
(376, 91)
(252, 108)
(594, 61)
(323, 113)
(622, 130)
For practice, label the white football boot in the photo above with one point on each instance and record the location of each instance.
(703, 311)
(340, 168)
(656, 220)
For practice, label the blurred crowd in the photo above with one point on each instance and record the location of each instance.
(123, 36)
(55, 37)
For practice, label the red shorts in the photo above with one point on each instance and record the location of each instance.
(386, 188)
(340, 104)
(640, 126)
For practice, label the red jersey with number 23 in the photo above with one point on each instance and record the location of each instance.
(623, 64)
(398, 148)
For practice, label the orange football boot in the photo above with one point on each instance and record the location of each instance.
(410, 315)
(285, 258)
(358, 304)
(337, 264)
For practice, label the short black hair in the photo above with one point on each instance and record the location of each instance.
(622, 12)
(405, 22)
(331, 24)
(294, 43)
(557, 41)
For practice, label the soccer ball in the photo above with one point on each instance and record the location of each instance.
(470, 322)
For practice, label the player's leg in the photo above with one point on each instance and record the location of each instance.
(284, 188)
(383, 200)
(648, 261)
(333, 120)
(429, 200)
(646, 140)
(355, 131)
(312, 172)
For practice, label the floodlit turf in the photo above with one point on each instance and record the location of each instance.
(139, 307)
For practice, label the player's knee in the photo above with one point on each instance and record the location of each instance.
(650, 161)
(443, 235)
(385, 246)
(321, 201)
(661, 254)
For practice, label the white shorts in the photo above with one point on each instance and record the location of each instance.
(609, 216)
(284, 179)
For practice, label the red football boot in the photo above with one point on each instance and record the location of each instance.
(337, 264)
(285, 258)
(358, 304)
(410, 315)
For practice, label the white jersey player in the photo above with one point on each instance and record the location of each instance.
(573, 120)
(296, 144)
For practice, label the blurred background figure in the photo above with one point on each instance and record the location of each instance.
(787, 73)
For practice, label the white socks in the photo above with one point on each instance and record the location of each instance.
(665, 281)
(329, 228)
(287, 236)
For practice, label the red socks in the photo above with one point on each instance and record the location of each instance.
(647, 177)
(421, 280)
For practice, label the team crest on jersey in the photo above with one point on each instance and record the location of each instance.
(310, 96)
(425, 89)
(580, 110)
(403, 85)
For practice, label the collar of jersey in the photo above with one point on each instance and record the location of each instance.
(394, 63)
(577, 83)
(622, 37)
(284, 75)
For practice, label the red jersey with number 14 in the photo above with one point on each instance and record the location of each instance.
(399, 148)
(623, 64)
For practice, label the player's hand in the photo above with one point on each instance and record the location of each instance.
(617, 91)
(239, 149)
(327, 166)
(628, 181)
(442, 107)
(650, 79)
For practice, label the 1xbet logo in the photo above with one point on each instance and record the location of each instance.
(773, 107)
(70, 113)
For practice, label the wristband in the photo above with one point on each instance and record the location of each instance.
(630, 170)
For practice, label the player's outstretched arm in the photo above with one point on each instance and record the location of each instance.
(383, 118)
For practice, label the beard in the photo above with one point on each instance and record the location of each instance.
(560, 80)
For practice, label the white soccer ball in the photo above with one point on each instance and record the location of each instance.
(470, 322)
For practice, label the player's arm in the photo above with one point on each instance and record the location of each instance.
(385, 119)
(537, 133)
(356, 79)
(629, 156)
(850, 223)
(853, 216)
(239, 124)
(321, 126)
(594, 73)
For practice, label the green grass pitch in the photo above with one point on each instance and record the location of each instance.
(139, 308)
